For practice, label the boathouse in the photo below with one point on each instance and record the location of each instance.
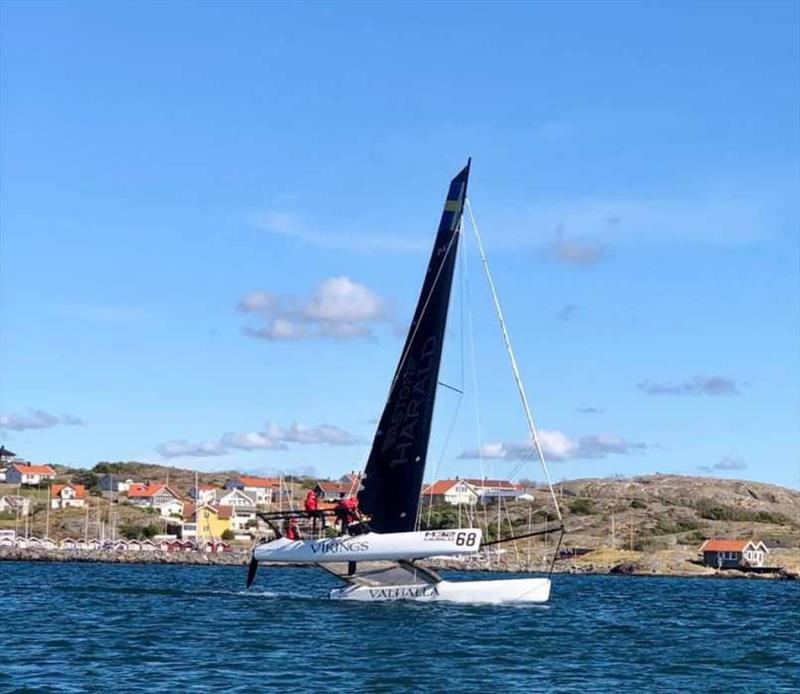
(728, 554)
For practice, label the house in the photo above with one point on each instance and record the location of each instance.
(156, 495)
(171, 509)
(243, 504)
(725, 554)
(215, 546)
(67, 496)
(68, 543)
(204, 493)
(493, 490)
(110, 482)
(24, 473)
(265, 488)
(6, 458)
(15, 504)
(454, 492)
(331, 491)
(212, 521)
(352, 478)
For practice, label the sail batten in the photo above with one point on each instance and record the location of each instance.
(396, 465)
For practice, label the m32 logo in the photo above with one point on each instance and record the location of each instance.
(462, 538)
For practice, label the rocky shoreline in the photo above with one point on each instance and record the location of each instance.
(106, 557)
(241, 558)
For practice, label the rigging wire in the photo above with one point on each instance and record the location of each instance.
(474, 374)
(528, 414)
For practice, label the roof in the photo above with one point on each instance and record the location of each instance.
(222, 493)
(5, 453)
(719, 545)
(220, 511)
(143, 491)
(33, 469)
(441, 487)
(337, 487)
(496, 484)
(248, 481)
(56, 489)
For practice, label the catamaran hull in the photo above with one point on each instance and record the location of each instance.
(371, 547)
(512, 590)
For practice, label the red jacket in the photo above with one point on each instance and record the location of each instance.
(311, 501)
(292, 532)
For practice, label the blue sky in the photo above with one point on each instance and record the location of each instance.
(216, 216)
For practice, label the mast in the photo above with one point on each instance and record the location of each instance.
(396, 465)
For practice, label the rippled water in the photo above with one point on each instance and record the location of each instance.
(89, 627)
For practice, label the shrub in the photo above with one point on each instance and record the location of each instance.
(228, 534)
(638, 503)
(582, 507)
(138, 532)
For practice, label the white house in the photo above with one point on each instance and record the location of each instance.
(110, 482)
(453, 492)
(67, 496)
(22, 473)
(173, 507)
(156, 495)
(204, 493)
(15, 504)
(3, 469)
(243, 504)
(265, 488)
(492, 490)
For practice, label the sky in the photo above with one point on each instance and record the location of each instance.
(215, 220)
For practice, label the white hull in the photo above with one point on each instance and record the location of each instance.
(372, 547)
(511, 590)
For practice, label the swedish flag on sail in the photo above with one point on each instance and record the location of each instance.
(451, 216)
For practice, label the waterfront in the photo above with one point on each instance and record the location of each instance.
(86, 627)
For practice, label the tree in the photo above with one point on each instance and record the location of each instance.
(228, 534)
(87, 478)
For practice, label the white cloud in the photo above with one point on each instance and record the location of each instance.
(575, 251)
(273, 437)
(37, 419)
(727, 464)
(339, 308)
(699, 385)
(557, 446)
(182, 448)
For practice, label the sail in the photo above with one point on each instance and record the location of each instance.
(393, 476)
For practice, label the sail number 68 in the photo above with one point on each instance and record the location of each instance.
(466, 539)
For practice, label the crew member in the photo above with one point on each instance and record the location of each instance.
(311, 506)
(292, 531)
(347, 512)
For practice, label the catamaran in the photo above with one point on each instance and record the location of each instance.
(381, 562)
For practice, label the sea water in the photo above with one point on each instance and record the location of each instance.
(125, 628)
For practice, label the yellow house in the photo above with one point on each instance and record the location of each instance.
(212, 521)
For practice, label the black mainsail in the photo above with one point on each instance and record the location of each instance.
(393, 476)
